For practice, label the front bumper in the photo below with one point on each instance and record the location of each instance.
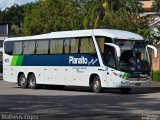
(128, 83)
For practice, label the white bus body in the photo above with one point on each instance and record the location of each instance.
(94, 58)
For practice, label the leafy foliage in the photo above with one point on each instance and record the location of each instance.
(14, 13)
(156, 76)
(51, 15)
(156, 5)
(44, 16)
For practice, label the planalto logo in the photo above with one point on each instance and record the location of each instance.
(82, 60)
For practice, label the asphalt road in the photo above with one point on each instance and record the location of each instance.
(78, 103)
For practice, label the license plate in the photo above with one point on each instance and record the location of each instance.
(137, 84)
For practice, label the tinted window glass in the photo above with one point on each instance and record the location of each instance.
(74, 45)
(29, 47)
(101, 42)
(8, 47)
(56, 47)
(109, 56)
(66, 46)
(87, 46)
(42, 47)
(17, 48)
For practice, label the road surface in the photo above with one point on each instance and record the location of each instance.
(78, 103)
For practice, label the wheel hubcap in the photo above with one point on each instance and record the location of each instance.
(22, 81)
(32, 82)
(96, 84)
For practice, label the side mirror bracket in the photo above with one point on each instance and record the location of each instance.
(155, 50)
(117, 48)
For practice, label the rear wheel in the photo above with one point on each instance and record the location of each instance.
(125, 90)
(32, 81)
(23, 81)
(96, 85)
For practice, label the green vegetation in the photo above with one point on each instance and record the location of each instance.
(59, 15)
(156, 76)
(44, 16)
(14, 13)
(49, 16)
(156, 6)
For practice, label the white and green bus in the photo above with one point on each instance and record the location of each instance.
(99, 58)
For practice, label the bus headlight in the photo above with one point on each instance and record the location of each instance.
(124, 76)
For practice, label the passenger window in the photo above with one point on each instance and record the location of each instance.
(17, 48)
(74, 45)
(56, 47)
(29, 48)
(42, 47)
(8, 45)
(87, 46)
(101, 42)
(109, 56)
(66, 46)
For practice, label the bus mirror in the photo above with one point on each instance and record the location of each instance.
(155, 50)
(118, 50)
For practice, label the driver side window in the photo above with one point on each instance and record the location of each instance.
(109, 56)
(107, 52)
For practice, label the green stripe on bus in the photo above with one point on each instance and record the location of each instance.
(19, 61)
(14, 60)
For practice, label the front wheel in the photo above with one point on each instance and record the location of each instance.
(96, 85)
(32, 81)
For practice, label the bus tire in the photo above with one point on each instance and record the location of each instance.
(96, 85)
(32, 81)
(22, 81)
(125, 90)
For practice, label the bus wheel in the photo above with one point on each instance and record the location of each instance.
(96, 85)
(32, 81)
(23, 81)
(125, 90)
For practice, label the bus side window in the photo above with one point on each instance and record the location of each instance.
(66, 46)
(101, 42)
(8, 45)
(17, 48)
(74, 44)
(42, 47)
(29, 47)
(109, 56)
(87, 46)
(56, 47)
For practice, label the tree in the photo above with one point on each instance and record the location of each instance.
(94, 11)
(14, 13)
(156, 5)
(1, 16)
(123, 20)
(91, 11)
(51, 15)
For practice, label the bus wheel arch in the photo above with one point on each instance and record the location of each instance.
(22, 80)
(95, 83)
(30, 73)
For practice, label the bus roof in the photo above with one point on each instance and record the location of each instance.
(117, 34)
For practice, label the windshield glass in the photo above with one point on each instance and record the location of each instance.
(134, 56)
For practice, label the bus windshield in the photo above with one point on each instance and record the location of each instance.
(134, 56)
